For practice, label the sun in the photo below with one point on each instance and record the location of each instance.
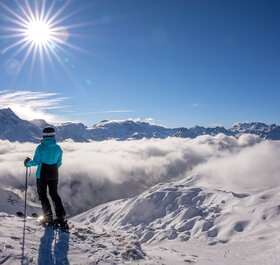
(38, 32)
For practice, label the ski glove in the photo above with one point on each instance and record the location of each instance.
(26, 160)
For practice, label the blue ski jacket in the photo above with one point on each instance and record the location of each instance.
(48, 152)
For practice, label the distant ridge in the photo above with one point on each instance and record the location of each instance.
(13, 128)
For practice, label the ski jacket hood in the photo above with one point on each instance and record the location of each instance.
(48, 152)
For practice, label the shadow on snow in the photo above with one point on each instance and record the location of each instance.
(54, 247)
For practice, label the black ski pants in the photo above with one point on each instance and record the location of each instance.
(42, 185)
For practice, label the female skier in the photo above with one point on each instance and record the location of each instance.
(48, 158)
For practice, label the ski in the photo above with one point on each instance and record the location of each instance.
(64, 226)
(35, 215)
(21, 214)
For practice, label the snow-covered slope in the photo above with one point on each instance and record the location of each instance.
(11, 203)
(84, 245)
(15, 129)
(180, 215)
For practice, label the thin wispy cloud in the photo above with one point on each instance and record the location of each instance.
(113, 111)
(198, 105)
(31, 105)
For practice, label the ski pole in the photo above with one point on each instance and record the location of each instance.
(24, 217)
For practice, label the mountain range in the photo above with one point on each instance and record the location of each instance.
(13, 128)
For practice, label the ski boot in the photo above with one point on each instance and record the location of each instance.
(61, 223)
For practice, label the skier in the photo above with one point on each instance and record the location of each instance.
(48, 158)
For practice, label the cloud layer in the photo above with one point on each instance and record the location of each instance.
(97, 172)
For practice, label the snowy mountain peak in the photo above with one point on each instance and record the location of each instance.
(6, 111)
(7, 116)
(106, 123)
(251, 126)
(40, 123)
(103, 121)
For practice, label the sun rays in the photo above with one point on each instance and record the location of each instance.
(38, 30)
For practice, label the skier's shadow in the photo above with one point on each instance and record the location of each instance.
(56, 255)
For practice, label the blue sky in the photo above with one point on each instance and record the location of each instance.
(179, 62)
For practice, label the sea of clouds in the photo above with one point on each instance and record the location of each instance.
(98, 172)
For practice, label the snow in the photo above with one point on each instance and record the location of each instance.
(83, 245)
(179, 211)
(170, 223)
(11, 203)
(176, 222)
